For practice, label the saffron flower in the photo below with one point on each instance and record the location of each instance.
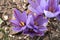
(19, 22)
(52, 9)
(27, 24)
(38, 26)
(37, 6)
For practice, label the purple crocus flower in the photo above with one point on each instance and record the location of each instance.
(19, 22)
(32, 33)
(37, 6)
(52, 9)
(38, 26)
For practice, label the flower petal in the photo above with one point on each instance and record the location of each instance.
(53, 4)
(58, 17)
(59, 7)
(23, 28)
(30, 20)
(43, 28)
(41, 20)
(32, 9)
(39, 9)
(23, 17)
(14, 22)
(43, 3)
(32, 3)
(50, 14)
(16, 29)
(37, 2)
(17, 13)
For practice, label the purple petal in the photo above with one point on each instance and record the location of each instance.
(23, 17)
(33, 4)
(18, 28)
(17, 14)
(53, 4)
(37, 2)
(31, 34)
(58, 17)
(59, 7)
(43, 3)
(39, 9)
(41, 20)
(50, 14)
(16, 22)
(23, 28)
(43, 28)
(32, 9)
(40, 28)
(30, 20)
(20, 16)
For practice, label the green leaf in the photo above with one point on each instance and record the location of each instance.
(1, 20)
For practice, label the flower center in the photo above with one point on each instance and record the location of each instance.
(51, 9)
(30, 30)
(22, 23)
(52, 6)
(36, 23)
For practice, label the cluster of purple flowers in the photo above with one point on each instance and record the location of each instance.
(34, 23)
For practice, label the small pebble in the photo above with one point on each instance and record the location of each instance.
(5, 17)
(1, 35)
(20, 38)
(10, 35)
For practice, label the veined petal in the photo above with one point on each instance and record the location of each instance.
(32, 9)
(53, 3)
(20, 16)
(39, 9)
(23, 28)
(37, 2)
(43, 3)
(32, 3)
(50, 14)
(17, 14)
(58, 17)
(16, 22)
(59, 7)
(43, 28)
(16, 29)
(57, 13)
(30, 20)
(31, 34)
(41, 20)
(23, 17)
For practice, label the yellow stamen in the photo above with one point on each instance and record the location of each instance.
(28, 11)
(22, 24)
